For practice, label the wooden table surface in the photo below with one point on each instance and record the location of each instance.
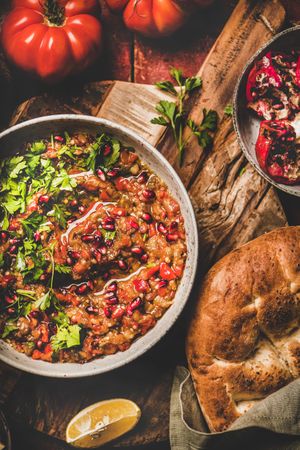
(132, 58)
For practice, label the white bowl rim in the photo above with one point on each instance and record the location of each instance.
(42, 368)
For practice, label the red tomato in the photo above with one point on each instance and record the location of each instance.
(52, 38)
(155, 18)
(116, 5)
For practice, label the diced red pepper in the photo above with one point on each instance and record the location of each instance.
(141, 285)
(166, 273)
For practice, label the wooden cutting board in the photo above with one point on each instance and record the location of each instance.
(233, 204)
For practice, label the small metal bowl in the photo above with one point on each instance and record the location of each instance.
(14, 139)
(4, 432)
(246, 124)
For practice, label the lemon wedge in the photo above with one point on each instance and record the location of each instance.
(102, 422)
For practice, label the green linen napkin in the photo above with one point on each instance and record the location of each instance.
(272, 424)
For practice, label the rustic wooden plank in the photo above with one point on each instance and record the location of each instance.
(133, 105)
(8, 380)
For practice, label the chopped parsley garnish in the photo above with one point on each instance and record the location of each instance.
(67, 336)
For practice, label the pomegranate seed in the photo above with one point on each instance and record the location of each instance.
(108, 220)
(133, 223)
(142, 178)
(101, 174)
(147, 217)
(74, 203)
(103, 250)
(148, 194)
(112, 287)
(172, 237)
(122, 264)
(81, 209)
(44, 199)
(69, 261)
(37, 236)
(144, 258)
(36, 315)
(82, 289)
(13, 249)
(105, 276)
(10, 311)
(74, 255)
(118, 312)
(173, 226)
(107, 312)
(109, 242)
(4, 235)
(87, 238)
(97, 255)
(112, 173)
(90, 284)
(44, 276)
(107, 150)
(109, 294)
(40, 344)
(162, 283)
(9, 299)
(91, 310)
(59, 138)
(112, 301)
(137, 251)
(98, 236)
(161, 228)
(109, 227)
(136, 303)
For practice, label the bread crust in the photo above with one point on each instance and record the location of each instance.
(244, 339)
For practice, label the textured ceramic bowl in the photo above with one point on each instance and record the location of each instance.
(245, 122)
(13, 140)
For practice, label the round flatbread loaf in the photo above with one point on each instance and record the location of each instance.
(244, 338)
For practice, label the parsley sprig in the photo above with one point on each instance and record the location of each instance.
(173, 115)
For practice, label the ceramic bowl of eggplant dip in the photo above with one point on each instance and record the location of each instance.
(98, 246)
(267, 111)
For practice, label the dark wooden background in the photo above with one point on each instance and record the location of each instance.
(131, 58)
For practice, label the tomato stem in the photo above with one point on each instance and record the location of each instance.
(54, 12)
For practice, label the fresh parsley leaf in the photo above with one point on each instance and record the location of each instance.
(166, 86)
(4, 215)
(61, 319)
(18, 168)
(113, 157)
(172, 114)
(38, 147)
(32, 223)
(177, 75)
(63, 181)
(210, 120)
(66, 337)
(62, 268)
(9, 328)
(204, 131)
(20, 261)
(60, 215)
(108, 235)
(192, 83)
(228, 110)
(45, 301)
